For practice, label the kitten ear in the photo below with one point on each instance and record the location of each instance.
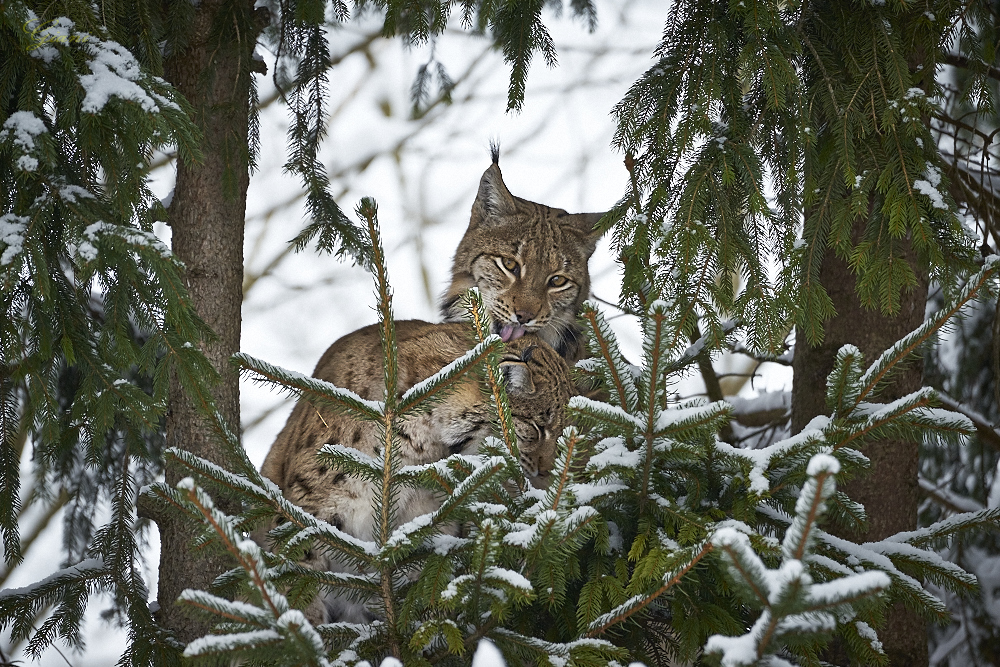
(585, 223)
(517, 377)
(493, 198)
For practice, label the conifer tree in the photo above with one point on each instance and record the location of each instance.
(828, 103)
(655, 540)
(84, 105)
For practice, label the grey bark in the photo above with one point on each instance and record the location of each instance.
(207, 219)
(890, 492)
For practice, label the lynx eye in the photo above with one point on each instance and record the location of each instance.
(558, 281)
(511, 265)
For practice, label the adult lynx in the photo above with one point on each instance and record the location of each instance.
(529, 262)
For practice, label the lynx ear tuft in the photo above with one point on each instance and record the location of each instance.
(528, 353)
(493, 198)
(517, 377)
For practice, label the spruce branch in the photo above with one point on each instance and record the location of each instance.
(625, 611)
(877, 372)
(436, 386)
(792, 603)
(263, 491)
(604, 346)
(318, 392)
(275, 624)
(480, 321)
(386, 491)
(984, 429)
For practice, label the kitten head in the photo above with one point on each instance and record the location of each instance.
(539, 386)
(529, 262)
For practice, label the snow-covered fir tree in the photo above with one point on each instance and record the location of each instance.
(764, 137)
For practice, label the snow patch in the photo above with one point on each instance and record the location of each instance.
(23, 127)
(27, 163)
(12, 228)
(488, 655)
(928, 186)
(586, 492)
(443, 544)
(822, 463)
(760, 459)
(86, 567)
(114, 72)
(74, 193)
(402, 534)
(867, 632)
(227, 643)
(613, 452)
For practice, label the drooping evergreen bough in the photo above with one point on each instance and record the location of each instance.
(655, 539)
(773, 133)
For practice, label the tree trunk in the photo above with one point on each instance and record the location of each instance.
(890, 492)
(206, 218)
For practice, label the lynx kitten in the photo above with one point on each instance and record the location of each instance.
(538, 385)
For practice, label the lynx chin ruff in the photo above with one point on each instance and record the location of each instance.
(538, 386)
(529, 262)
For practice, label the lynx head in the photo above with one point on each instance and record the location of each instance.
(529, 262)
(538, 386)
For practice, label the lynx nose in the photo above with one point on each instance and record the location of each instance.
(524, 316)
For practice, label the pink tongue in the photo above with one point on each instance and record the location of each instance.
(511, 331)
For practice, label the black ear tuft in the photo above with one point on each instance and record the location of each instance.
(517, 376)
(528, 353)
(495, 151)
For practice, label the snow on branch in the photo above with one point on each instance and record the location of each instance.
(316, 391)
(85, 570)
(230, 642)
(946, 529)
(760, 459)
(604, 412)
(447, 376)
(793, 605)
(875, 375)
